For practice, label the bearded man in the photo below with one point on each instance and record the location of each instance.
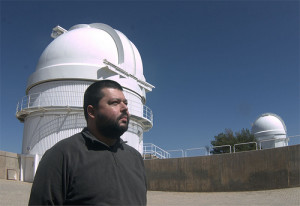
(95, 166)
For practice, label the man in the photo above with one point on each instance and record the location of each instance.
(94, 167)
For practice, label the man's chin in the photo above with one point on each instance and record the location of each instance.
(123, 126)
(123, 130)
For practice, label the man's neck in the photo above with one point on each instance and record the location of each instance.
(100, 137)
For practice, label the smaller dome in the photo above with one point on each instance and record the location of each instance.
(268, 125)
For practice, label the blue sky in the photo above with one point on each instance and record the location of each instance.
(214, 64)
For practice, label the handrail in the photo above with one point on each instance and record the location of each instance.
(71, 99)
(293, 136)
(147, 112)
(155, 151)
(42, 99)
(199, 148)
(244, 144)
(184, 152)
(223, 146)
(177, 150)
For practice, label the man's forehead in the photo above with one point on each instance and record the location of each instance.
(113, 93)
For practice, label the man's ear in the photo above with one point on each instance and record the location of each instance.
(91, 111)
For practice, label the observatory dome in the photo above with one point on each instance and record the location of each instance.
(270, 131)
(80, 53)
(269, 124)
(52, 108)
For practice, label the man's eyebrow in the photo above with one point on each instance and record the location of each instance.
(118, 99)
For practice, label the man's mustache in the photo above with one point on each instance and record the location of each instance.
(124, 115)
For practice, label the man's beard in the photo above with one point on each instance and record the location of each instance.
(111, 128)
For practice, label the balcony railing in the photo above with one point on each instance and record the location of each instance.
(149, 148)
(152, 151)
(71, 99)
(50, 99)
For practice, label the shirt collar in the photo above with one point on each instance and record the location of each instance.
(89, 135)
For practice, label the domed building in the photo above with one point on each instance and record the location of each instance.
(270, 131)
(53, 106)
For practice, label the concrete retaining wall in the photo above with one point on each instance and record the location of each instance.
(253, 170)
(9, 165)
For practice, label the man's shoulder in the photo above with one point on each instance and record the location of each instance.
(69, 143)
(62, 150)
(131, 150)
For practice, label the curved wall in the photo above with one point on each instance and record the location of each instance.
(43, 130)
(245, 171)
(57, 113)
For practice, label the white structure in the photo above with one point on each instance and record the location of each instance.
(270, 131)
(52, 108)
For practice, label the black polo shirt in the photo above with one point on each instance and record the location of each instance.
(81, 170)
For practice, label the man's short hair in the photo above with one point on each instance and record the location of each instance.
(93, 93)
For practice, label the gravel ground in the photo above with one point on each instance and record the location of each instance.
(14, 193)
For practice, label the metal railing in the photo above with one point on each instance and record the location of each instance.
(147, 113)
(222, 146)
(176, 150)
(294, 140)
(152, 151)
(44, 100)
(49, 99)
(184, 152)
(244, 144)
(205, 149)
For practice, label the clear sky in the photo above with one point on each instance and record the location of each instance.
(214, 64)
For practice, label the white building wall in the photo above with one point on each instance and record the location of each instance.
(43, 130)
(52, 109)
(58, 93)
(135, 105)
(134, 136)
(272, 141)
(64, 85)
(56, 119)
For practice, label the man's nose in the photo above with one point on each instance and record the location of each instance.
(124, 107)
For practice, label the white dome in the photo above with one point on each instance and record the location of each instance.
(269, 125)
(79, 54)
